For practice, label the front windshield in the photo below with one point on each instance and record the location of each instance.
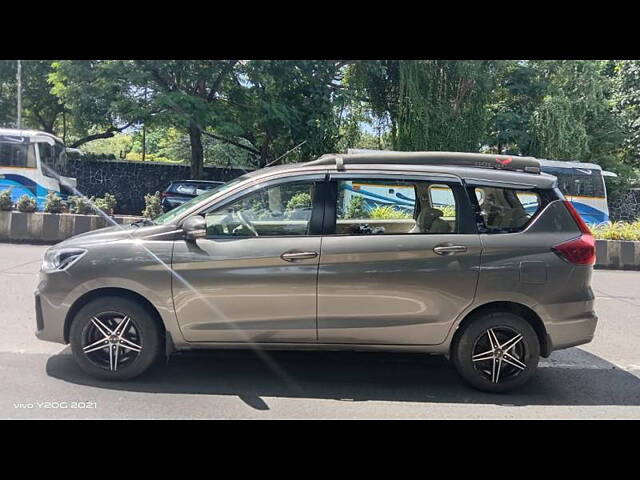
(168, 217)
(53, 158)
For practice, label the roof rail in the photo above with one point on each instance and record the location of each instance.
(479, 160)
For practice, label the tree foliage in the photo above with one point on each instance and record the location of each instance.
(250, 113)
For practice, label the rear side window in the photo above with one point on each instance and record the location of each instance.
(183, 188)
(506, 210)
(394, 207)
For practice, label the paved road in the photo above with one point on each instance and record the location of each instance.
(40, 380)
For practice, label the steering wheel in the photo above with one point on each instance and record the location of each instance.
(246, 223)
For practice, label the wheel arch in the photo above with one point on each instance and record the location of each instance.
(110, 291)
(513, 307)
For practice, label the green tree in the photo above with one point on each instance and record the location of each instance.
(100, 96)
(429, 105)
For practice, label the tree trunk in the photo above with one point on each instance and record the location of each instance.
(197, 157)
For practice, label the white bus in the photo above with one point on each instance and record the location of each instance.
(583, 185)
(30, 163)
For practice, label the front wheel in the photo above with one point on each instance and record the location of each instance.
(114, 338)
(496, 352)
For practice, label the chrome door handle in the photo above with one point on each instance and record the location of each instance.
(293, 256)
(449, 249)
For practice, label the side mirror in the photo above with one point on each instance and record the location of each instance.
(195, 227)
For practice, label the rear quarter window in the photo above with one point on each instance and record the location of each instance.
(506, 210)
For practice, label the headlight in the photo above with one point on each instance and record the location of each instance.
(56, 260)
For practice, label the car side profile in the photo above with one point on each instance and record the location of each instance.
(476, 257)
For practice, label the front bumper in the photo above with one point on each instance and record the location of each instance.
(50, 313)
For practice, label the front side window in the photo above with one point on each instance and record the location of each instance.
(385, 207)
(505, 210)
(283, 209)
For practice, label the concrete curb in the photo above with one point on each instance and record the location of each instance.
(39, 227)
(618, 254)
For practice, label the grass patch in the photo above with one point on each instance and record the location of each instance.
(617, 231)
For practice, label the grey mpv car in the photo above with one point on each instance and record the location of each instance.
(477, 257)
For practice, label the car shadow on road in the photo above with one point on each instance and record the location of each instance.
(364, 376)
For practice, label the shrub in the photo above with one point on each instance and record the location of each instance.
(53, 203)
(387, 213)
(80, 205)
(300, 201)
(107, 203)
(356, 208)
(153, 206)
(5, 200)
(448, 210)
(26, 204)
(617, 231)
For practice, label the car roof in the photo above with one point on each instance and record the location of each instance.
(417, 162)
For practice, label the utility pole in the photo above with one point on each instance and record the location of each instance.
(19, 78)
(144, 130)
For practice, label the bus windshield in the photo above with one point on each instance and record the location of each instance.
(16, 152)
(53, 158)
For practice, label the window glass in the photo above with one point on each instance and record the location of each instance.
(505, 209)
(185, 188)
(379, 207)
(53, 159)
(171, 215)
(278, 210)
(588, 183)
(16, 152)
(565, 178)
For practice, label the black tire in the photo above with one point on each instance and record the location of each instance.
(474, 339)
(143, 331)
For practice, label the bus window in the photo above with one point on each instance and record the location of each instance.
(588, 183)
(15, 152)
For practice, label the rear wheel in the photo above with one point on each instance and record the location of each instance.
(496, 352)
(114, 338)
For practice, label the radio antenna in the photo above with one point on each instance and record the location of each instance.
(285, 153)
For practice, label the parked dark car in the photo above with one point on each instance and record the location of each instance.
(181, 191)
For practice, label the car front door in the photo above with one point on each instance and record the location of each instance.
(400, 262)
(254, 277)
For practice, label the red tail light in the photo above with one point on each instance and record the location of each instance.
(581, 250)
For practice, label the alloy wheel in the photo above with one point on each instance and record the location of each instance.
(111, 341)
(499, 354)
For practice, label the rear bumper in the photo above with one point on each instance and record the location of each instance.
(572, 332)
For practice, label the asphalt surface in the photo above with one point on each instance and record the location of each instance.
(40, 379)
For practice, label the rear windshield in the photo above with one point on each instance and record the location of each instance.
(183, 188)
(506, 210)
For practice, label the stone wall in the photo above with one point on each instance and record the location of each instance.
(627, 208)
(130, 181)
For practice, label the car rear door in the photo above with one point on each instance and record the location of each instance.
(402, 285)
